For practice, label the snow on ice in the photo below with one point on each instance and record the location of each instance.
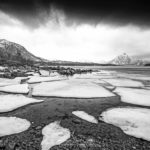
(54, 134)
(124, 82)
(85, 116)
(11, 102)
(71, 88)
(36, 79)
(134, 96)
(12, 125)
(133, 121)
(18, 88)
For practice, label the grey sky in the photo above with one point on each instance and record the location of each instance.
(55, 40)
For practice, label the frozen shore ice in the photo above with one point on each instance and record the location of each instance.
(133, 121)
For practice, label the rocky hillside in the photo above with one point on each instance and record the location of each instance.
(14, 52)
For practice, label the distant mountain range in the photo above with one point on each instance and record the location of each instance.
(125, 59)
(11, 52)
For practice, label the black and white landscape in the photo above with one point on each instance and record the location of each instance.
(74, 75)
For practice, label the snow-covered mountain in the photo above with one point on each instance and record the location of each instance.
(123, 59)
(15, 52)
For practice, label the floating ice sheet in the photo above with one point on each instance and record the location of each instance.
(110, 87)
(11, 102)
(134, 76)
(12, 125)
(5, 82)
(54, 134)
(1, 67)
(30, 73)
(45, 79)
(85, 116)
(147, 87)
(44, 72)
(101, 82)
(133, 121)
(71, 88)
(18, 88)
(94, 76)
(19, 79)
(85, 76)
(124, 82)
(134, 96)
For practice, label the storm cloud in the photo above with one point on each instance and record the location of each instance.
(77, 30)
(34, 13)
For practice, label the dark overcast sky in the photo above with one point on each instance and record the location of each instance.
(78, 30)
(120, 12)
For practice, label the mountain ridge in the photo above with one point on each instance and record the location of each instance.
(125, 59)
(11, 51)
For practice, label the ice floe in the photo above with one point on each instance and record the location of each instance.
(18, 88)
(44, 73)
(104, 84)
(11, 102)
(101, 82)
(134, 96)
(52, 74)
(147, 87)
(30, 73)
(106, 73)
(110, 87)
(133, 121)
(45, 79)
(19, 79)
(1, 67)
(85, 116)
(134, 76)
(54, 134)
(48, 73)
(12, 125)
(71, 88)
(5, 82)
(124, 82)
(94, 76)
(85, 76)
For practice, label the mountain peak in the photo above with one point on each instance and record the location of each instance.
(3, 41)
(11, 51)
(125, 59)
(122, 59)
